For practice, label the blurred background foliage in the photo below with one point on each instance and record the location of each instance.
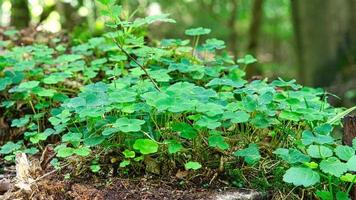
(311, 41)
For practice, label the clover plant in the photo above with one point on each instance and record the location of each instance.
(117, 93)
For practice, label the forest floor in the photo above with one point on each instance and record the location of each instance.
(52, 186)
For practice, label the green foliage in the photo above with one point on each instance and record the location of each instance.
(192, 165)
(146, 146)
(165, 103)
(251, 154)
(197, 31)
(301, 176)
(324, 168)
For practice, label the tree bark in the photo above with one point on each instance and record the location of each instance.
(349, 135)
(231, 25)
(254, 32)
(69, 15)
(20, 14)
(322, 34)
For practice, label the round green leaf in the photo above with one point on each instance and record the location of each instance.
(128, 125)
(292, 155)
(10, 147)
(174, 146)
(344, 152)
(348, 178)
(192, 165)
(251, 154)
(128, 154)
(351, 164)
(28, 85)
(318, 151)
(197, 31)
(186, 131)
(301, 176)
(65, 152)
(146, 146)
(333, 166)
(83, 151)
(218, 141)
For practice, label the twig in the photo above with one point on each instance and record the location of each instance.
(137, 63)
(49, 173)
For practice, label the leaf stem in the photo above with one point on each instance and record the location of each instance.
(330, 185)
(350, 186)
(137, 63)
(195, 44)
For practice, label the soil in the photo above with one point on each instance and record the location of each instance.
(97, 187)
(126, 189)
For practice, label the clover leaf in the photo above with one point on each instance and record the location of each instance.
(248, 59)
(208, 122)
(94, 141)
(318, 151)
(110, 131)
(301, 176)
(71, 137)
(83, 151)
(348, 178)
(344, 152)
(122, 96)
(65, 152)
(42, 92)
(128, 154)
(145, 146)
(20, 122)
(210, 109)
(227, 82)
(192, 165)
(25, 86)
(174, 146)
(218, 141)
(128, 125)
(333, 166)
(261, 121)
(197, 31)
(151, 19)
(212, 44)
(10, 147)
(237, 117)
(292, 155)
(68, 58)
(308, 138)
(4, 82)
(251, 154)
(323, 129)
(186, 131)
(288, 115)
(351, 164)
(324, 195)
(125, 163)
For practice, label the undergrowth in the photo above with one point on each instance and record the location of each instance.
(145, 108)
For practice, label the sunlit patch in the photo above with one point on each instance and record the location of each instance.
(6, 13)
(83, 11)
(49, 2)
(37, 10)
(154, 9)
(52, 24)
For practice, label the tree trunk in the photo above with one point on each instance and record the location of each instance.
(349, 135)
(232, 28)
(20, 14)
(69, 15)
(323, 38)
(254, 32)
